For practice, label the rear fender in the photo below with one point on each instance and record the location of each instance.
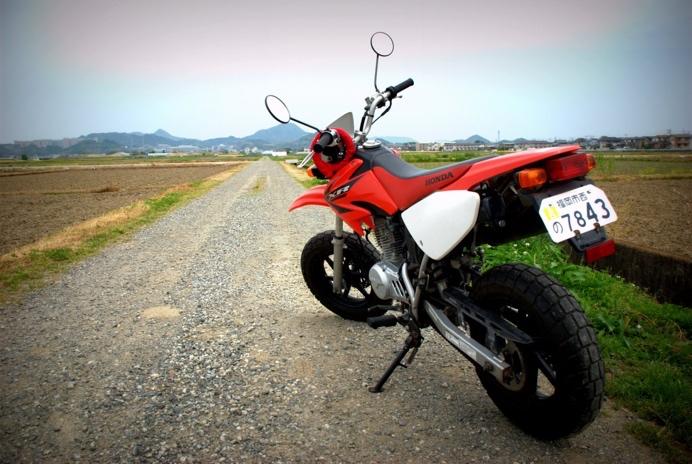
(311, 197)
(488, 168)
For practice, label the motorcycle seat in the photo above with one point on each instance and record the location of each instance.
(403, 170)
(405, 183)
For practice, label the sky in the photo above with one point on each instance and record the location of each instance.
(535, 69)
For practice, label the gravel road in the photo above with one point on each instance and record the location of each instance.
(197, 341)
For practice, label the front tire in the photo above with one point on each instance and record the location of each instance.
(316, 263)
(556, 387)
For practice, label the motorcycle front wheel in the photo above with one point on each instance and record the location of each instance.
(356, 296)
(555, 387)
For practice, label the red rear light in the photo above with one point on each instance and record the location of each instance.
(599, 251)
(569, 167)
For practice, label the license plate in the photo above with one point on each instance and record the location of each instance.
(578, 210)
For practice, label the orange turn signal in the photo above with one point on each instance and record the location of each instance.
(532, 178)
(309, 172)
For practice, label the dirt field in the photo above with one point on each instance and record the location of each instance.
(653, 213)
(35, 204)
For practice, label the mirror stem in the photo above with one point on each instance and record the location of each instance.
(305, 124)
(377, 61)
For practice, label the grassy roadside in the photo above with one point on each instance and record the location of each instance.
(28, 266)
(300, 175)
(645, 344)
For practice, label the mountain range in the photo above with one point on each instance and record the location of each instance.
(474, 139)
(280, 137)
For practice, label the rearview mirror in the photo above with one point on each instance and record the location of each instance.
(277, 109)
(382, 44)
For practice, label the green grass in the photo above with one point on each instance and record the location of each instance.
(645, 344)
(312, 182)
(441, 156)
(608, 165)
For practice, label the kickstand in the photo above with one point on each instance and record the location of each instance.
(414, 341)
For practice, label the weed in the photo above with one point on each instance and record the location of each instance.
(59, 254)
(660, 439)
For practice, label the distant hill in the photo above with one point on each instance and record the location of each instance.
(228, 141)
(474, 139)
(394, 139)
(92, 146)
(162, 133)
(129, 139)
(279, 134)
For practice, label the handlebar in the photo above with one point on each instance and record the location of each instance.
(391, 92)
(325, 140)
(394, 90)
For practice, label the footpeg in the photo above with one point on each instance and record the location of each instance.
(387, 320)
(379, 310)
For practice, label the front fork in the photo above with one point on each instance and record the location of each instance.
(338, 242)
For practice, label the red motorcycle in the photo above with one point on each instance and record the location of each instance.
(534, 350)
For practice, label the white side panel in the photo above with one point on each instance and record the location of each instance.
(441, 220)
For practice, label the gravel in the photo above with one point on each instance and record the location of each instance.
(197, 341)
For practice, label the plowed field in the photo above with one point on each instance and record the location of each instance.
(34, 204)
(653, 213)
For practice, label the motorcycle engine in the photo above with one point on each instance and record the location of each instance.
(390, 238)
(384, 279)
(384, 275)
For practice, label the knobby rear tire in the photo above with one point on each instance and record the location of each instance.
(359, 257)
(548, 311)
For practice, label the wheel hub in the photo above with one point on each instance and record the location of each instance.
(515, 376)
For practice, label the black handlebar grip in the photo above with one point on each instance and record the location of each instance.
(394, 90)
(325, 140)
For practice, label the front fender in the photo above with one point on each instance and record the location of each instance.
(313, 196)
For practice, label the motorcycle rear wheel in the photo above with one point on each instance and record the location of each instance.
(556, 387)
(316, 263)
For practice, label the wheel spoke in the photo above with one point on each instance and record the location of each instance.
(330, 262)
(347, 288)
(545, 368)
(361, 289)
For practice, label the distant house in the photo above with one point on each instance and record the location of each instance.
(185, 149)
(679, 141)
(525, 145)
(275, 153)
(637, 143)
(605, 143)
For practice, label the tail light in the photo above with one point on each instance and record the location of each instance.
(569, 167)
(599, 251)
(531, 178)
